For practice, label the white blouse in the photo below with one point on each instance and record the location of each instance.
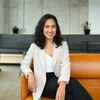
(49, 63)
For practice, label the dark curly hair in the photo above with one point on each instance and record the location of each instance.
(39, 38)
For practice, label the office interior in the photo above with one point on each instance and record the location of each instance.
(72, 15)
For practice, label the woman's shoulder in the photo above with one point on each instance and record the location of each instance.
(64, 43)
(33, 45)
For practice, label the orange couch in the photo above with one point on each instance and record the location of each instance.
(84, 67)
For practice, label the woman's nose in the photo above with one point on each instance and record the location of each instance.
(50, 29)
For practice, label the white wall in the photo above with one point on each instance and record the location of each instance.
(71, 14)
(94, 16)
(1, 16)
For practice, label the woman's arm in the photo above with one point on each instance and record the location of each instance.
(25, 65)
(60, 95)
(65, 64)
(31, 82)
(65, 73)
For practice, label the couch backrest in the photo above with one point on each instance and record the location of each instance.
(85, 65)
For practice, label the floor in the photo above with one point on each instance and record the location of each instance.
(10, 86)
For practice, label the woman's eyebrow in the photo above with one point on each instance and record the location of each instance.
(49, 25)
(53, 25)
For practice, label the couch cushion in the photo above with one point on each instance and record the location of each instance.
(92, 86)
(85, 65)
(30, 98)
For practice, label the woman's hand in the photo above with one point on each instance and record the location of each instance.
(31, 82)
(60, 95)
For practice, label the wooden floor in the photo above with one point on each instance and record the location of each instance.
(10, 82)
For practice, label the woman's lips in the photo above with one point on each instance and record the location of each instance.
(50, 34)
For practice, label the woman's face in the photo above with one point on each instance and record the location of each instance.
(49, 29)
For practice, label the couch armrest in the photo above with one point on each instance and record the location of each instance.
(24, 87)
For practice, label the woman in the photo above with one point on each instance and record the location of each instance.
(50, 55)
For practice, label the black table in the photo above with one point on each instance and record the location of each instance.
(87, 44)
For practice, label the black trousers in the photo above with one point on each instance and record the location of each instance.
(74, 90)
